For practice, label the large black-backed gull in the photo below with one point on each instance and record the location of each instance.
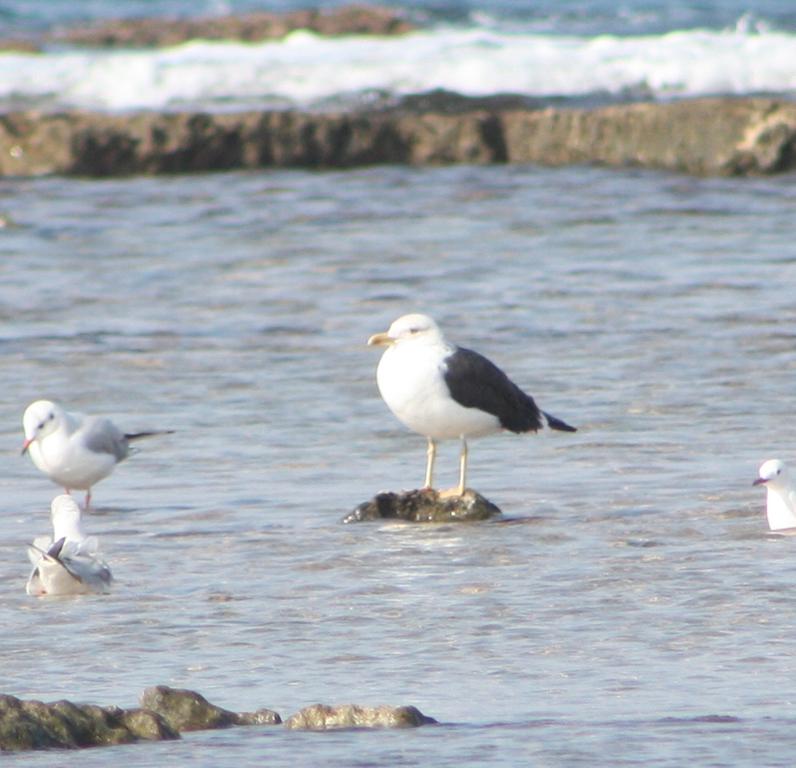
(443, 391)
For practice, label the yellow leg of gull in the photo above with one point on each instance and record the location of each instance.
(463, 468)
(432, 455)
(462, 475)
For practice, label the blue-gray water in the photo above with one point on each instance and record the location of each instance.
(631, 609)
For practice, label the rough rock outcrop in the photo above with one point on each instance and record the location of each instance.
(424, 506)
(35, 725)
(701, 136)
(321, 717)
(187, 710)
(251, 27)
(165, 712)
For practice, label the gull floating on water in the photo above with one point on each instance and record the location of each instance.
(443, 391)
(780, 495)
(73, 450)
(67, 563)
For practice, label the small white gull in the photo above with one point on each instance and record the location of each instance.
(443, 391)
(73, 450)
(780, 495)
(67, 563)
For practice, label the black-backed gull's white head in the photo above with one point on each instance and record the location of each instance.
(414, 326)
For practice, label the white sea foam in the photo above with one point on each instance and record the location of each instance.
(305, 68)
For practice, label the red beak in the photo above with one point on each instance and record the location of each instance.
(26, 445)
(760, 481)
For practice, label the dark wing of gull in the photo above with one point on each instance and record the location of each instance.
(476, 382)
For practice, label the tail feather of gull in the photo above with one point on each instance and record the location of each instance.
(443, 391)
(68, 563)
(73, 450)
(780, 495)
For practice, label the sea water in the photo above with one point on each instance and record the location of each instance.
(630, 608)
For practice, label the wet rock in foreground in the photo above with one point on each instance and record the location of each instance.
(26, 725)
(424, 506)
(321, 717)
(187, 710)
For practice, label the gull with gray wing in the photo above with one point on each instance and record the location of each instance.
(73, 450)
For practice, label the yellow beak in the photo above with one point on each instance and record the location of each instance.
(380, 340)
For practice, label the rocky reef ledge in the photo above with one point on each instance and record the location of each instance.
(248, 27)
(163, 714)
(702, 136)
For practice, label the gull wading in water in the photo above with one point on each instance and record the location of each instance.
(67, 563)
(73, 450)
(443, 391)
(780, 496)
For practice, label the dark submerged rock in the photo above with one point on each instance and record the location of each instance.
(424, 506)
(186, 710)
(321, 717)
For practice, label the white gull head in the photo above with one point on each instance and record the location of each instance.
(780, 496)
(414, 327)
(40, 419)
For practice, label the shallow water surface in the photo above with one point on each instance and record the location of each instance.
(629, 608)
